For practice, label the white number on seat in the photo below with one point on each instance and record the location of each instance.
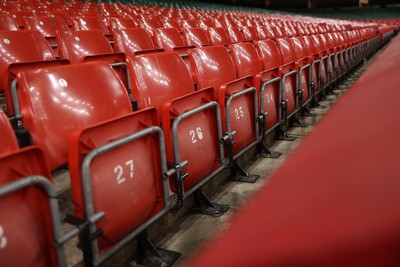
(196, 135)
(239, 113)
(119, 171)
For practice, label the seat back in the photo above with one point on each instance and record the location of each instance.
(117, 23)
(19, 17)
(235, 35)
(269, 54)
(218, 36)
(50, 96)
(131, 41)
(90, 23)
(7, 23)
(172, 23)
(245, 59)
(198, 131)
(212, 66)
(8, 140)
(19, 47)
(132, 181)
(196, 37)
(168, 38)
(249, 33)
(159, 77)
(25, 213)
(149, 25)
(76, 45)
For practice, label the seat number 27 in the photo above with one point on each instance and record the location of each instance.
(119, 171)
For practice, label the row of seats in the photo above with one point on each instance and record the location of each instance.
(109, 102)
(339, 213)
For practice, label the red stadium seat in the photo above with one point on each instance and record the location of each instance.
(150, 86)
(218, 36)
(149, 25)
(289, 93)
(73, 99)
(235, 35)
(247, 62)
(117, 23)
(172, 23)
(7, 23)
(196, 37)
(170, 39)
(189, 124)
(47, 26)
(8, 141)
(19, 17)
(103, 159)
(304, 69)
(22, 50)
(29, 209)
(92, 23)
(249, 33)
(212, 66)
(132, 41)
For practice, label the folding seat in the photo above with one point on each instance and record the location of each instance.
(325, 67)
(316, 66)
(29, 211)
(172, 23)
(305, 72)
(48, 97)
(117, 23)
(235, 35)
(267, 83)
(22, 50)
(104, 160)
(262, 35)
(19, 17)
(91, 45)
(269, 32)
(191, 122)
(149, 85)
(218, 36)
(289, 95)
(92, 23)
(249, 33)
(206, 23)
(170, 39)
(8, 141)
(132, 41)
(196, 37)
(212, 66)
(7, 23)
(65, 15)
(149, 25)
(189, 24)
(47, 26)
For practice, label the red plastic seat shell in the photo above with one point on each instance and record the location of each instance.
(131, 181)
(71, 101)
(25, 221)
(8, 140)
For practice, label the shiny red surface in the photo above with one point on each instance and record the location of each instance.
(75, 45)
(235, 35)
(269, 54)
(8, 140)
(90, 23)
(287, 50)
(131, 41)
(59, 100)
(118, 23)
(211, 66)
(168, 38)
(249, 33)
(7, 23)
(198, 141)
(25, 224)
(218, 36)
(196, 37)
(245, 58)
(130, 201)
(159, 77)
